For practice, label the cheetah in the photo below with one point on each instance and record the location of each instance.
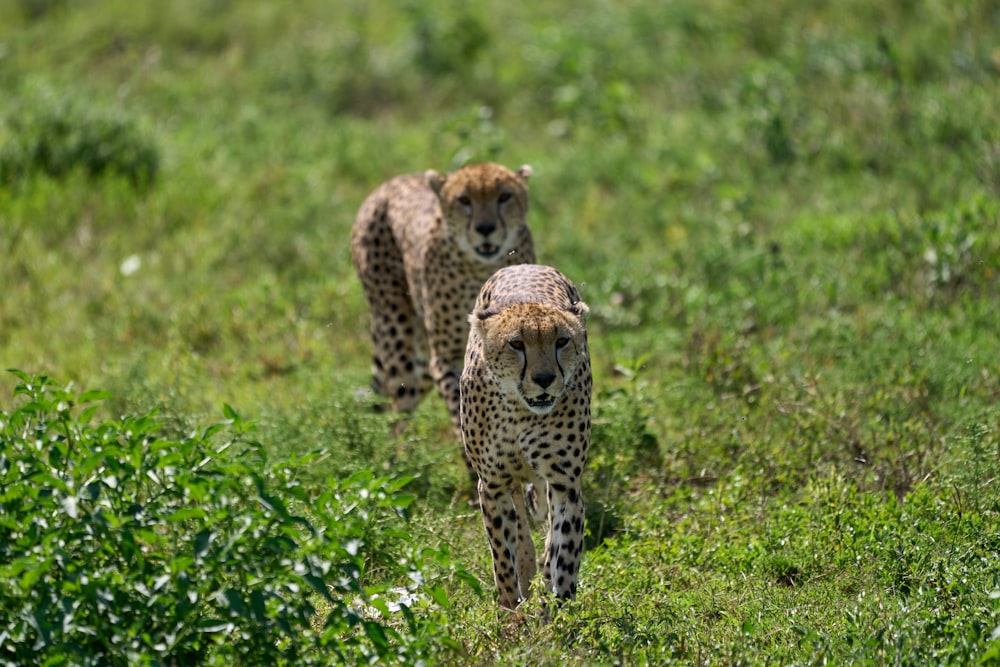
(525, 416)
(423, 244)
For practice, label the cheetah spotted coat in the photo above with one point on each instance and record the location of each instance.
(525, 415)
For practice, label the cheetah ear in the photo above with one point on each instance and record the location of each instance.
(479, 319)
(434, 180)
(576, 304)
(579, 309)
(524, 171)
(481, 314)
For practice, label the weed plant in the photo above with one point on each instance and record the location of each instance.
(785, 219)
(122, 546)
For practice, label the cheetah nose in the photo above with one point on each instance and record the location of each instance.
(543, 380)
(486, 227)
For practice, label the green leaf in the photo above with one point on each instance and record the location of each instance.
(87, 414)
(89, 463)
(470, 580)
(21, 375)
(94, 395)
(381, 605)
(411, 620)
(440, 596)
(36, 407)
(454, 645)
(360, 478)
(403, 500)
(213, 429)
(202, 541)
(376, 634)
(235, 602)
(48, 480)
(258, 607)
(186, 513)
(31, 576)
(318, 585)
(230, 413)
(279, 544)
(397, 483)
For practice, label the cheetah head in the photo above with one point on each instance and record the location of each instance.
(533, 349)
(484, 206)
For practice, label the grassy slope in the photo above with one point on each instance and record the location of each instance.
(784, 220)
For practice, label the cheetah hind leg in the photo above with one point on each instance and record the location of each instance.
(421, 369)
(421, 358)
(377, 387)
(378, 384)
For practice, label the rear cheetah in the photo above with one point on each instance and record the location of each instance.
(526, 420)
(422, 245)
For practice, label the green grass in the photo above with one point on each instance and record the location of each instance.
(785, 219)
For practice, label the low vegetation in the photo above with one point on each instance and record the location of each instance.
(122, 544)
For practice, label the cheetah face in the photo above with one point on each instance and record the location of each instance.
(484, 207)
(533, 350)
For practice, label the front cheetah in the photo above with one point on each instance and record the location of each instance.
(526, 421)
(422, 245)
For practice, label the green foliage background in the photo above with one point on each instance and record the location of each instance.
(784, 218)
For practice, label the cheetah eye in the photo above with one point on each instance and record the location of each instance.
(504, 197)
(517, 345)
(464, 200)
(561, 342)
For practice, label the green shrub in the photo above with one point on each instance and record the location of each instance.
(55, 137)
(37, 9)
(120, 546)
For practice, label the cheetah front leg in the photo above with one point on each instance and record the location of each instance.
(510, 543)
(564, 543)
(399, 361)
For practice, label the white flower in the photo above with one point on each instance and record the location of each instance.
(130, 265)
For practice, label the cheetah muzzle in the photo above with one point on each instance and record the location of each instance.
(541, 404)
(488, 250)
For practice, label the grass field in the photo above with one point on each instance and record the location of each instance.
(785, 220)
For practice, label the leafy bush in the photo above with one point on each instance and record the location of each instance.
(55, 136)
(119, 546)
(36, 9)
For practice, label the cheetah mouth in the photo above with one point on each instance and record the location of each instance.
(487, 249)
(541, 402)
